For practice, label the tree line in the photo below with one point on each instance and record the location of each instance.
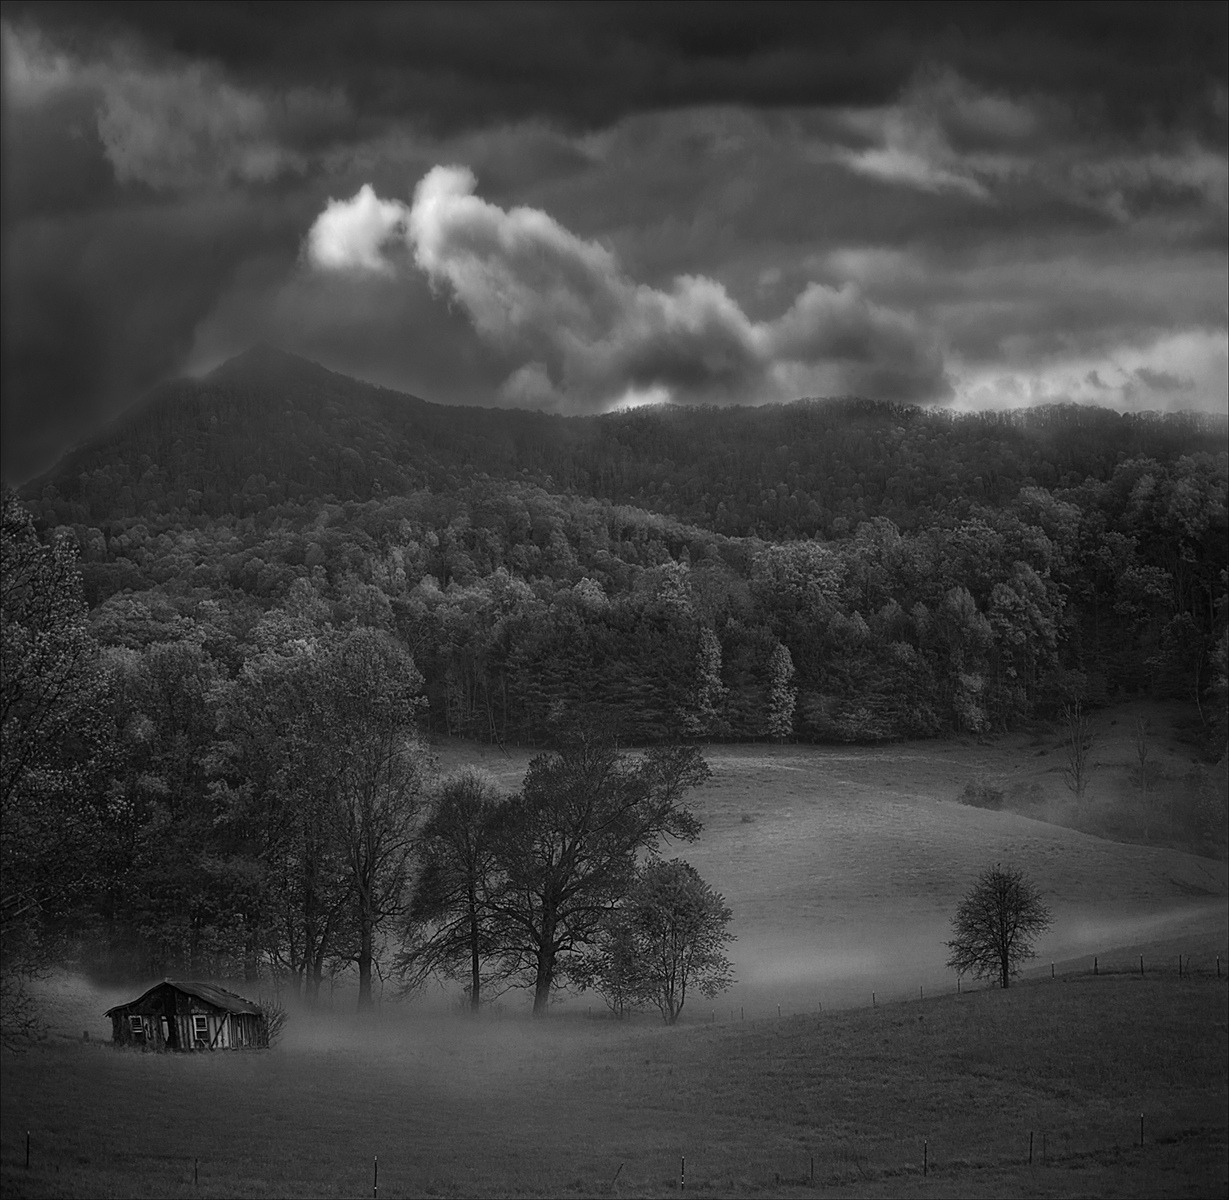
(161, 813)
(515, 602)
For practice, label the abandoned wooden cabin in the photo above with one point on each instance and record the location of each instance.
(188, 1016)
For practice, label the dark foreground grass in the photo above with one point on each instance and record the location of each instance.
(493, 1108)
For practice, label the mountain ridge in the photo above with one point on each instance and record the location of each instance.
(268, 428)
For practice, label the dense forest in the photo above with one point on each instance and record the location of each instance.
(238, 554)
(836, 570)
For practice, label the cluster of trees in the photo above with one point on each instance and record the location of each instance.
(180, 805)
(553, 884)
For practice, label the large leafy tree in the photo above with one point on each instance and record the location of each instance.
(326, 780)
(454, 928)
(49, 733)
(666, 939)
(276, 782)
(382, 775)
(568, 844)
(996, 925)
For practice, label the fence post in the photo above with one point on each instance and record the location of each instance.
(682, 1172)
(1094, 964)
(375, 1175)
(872, 999)
(1030, 1147)
(925, 1157)
(1141, 966)
(1141, 1129)
(27, 1149)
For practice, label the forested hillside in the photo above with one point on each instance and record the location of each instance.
(255, 586)
(824, 570)
(268, 429)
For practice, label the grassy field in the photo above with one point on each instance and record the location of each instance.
(454, 1107)
(843, 867)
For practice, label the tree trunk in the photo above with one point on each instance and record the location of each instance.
(474, 999)
(544, 982)
(250, 964)
(365, 1002)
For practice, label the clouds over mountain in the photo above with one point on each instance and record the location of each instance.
(982, 205)
(578, 333)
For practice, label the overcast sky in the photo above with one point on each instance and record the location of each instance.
(575, 207)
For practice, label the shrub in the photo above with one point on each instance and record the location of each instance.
(275, 1018)
(981, 793)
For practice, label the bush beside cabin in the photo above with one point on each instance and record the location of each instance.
(189, 1016)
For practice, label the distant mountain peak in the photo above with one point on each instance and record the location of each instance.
(261, 360)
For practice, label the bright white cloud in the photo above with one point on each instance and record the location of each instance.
(351, 234)
(584, 335)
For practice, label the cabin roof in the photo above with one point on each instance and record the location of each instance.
(216, 996)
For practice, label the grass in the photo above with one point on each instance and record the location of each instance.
(508, 1107)
(843, 867)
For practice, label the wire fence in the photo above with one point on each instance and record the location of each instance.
(845, 1162)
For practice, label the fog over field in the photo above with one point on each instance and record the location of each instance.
(843, 867)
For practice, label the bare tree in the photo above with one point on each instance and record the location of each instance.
(996, 925)
(1078, 743)
(1145, 773)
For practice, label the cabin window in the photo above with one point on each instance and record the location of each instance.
(200, 1028)
(137, 1027)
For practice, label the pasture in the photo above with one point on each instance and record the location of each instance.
(843, 867)
(454, 1107)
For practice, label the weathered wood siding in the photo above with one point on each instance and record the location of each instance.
(168, 1020)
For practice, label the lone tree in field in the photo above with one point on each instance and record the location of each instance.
(996, 925)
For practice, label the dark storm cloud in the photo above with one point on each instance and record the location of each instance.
(1001, 201)
(588, 65)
